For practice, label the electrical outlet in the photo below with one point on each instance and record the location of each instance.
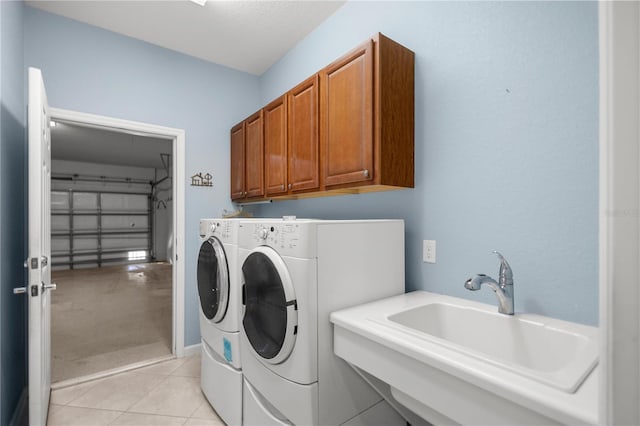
(429, 251)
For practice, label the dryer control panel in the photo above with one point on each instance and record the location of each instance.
(224, 230)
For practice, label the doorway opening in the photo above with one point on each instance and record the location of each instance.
(116, 214)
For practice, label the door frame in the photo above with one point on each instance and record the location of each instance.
(619, 212)
(178, 181)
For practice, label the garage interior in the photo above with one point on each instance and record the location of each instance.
(111, 249)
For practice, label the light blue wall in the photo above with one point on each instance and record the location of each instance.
(506, 133)
(506, 143)
(12, 209)
(96, 71)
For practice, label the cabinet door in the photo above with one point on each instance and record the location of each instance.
(237, 161)
(275, 147)
(347, 118)
(254, 156)
(304, 165)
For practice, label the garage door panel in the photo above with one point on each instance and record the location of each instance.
(85, 243)
(59, 245)
(125, 222)
(125, 202)
(85, 201)
(59, 201)
(59, 223)
(85, 223)
(125, 243)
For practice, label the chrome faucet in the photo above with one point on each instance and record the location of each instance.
(503, 288)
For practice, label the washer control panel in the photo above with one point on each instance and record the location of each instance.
(287, 237)
(276, 235)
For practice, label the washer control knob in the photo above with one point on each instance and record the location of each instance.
(212, 228)
(262, 233)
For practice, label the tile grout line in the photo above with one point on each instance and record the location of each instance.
(160, 383)
(112, 421)
(163, 382)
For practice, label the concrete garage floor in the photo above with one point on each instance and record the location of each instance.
(109, 317)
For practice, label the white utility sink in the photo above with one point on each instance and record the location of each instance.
(536, 347)
(470, 364)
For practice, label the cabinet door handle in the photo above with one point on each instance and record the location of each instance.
(290, 186)
(365, 172)
(282, 186)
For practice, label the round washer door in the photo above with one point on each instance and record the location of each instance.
(270, 316)
(213, 279)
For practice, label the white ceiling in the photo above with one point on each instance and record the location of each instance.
(247, 35)
(103, 146)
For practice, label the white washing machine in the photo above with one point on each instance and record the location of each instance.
(294, 274)
(219, 293)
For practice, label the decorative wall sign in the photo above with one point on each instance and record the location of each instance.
(199, 180)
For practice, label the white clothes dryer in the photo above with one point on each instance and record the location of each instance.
(219, 295)
(294, 274)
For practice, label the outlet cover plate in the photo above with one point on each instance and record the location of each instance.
(429, 251)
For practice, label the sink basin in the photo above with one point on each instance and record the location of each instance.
(526, 344)
(451, 359)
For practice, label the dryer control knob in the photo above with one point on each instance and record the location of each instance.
(212, 228)
(262, 233)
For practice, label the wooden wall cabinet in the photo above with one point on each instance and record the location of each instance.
(247, 159)
(237, 162)
(367, 118)
(292, 152)
(275, 147)
(347, 129)
(303, 140)
(347, 118)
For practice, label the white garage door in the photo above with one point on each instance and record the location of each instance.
(90, 228)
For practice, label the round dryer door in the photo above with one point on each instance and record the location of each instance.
(213, 280)
(270, 316)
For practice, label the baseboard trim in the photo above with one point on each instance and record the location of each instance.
(20, 414)
(193, 349)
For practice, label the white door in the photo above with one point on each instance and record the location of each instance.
(40, 286)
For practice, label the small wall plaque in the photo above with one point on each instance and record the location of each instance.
(199, 180)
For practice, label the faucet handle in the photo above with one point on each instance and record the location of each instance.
(506, 274)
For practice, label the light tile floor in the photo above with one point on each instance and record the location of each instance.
(167, 393)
